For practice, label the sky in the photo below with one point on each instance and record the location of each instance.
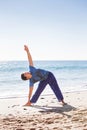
(52, 29)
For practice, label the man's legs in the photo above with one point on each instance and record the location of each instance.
(51, 80)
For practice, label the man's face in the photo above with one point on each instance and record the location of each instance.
(27, 75)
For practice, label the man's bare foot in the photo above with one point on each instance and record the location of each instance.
(27, 104)
(63, 103)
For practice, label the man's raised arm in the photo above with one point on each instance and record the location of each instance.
(29, 55)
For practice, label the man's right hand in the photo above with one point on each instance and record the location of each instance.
(27, 104)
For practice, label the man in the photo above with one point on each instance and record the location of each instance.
(44, 77)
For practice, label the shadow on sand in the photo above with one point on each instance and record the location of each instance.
(55, 109)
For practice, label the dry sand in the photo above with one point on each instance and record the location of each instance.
(46, 114)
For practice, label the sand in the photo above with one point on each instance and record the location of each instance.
(46, 114)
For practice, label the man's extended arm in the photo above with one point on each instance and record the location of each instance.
(29, 55)
(29, 96)
(30, 93)
(31, 64)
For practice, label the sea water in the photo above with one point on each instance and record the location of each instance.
(71, 76)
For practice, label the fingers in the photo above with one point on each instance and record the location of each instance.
(27, 104)
(25, 47)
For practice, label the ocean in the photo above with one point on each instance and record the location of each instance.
(71, 76)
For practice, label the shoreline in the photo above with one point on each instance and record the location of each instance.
(24, 96)
(46, 114)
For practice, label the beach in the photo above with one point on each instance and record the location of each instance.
(46, 114)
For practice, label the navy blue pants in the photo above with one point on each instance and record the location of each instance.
(51, 80)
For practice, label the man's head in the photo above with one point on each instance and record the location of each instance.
(26, 76)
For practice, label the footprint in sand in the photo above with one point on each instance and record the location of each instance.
(15, 105)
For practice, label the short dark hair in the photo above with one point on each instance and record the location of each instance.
(23, 77)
